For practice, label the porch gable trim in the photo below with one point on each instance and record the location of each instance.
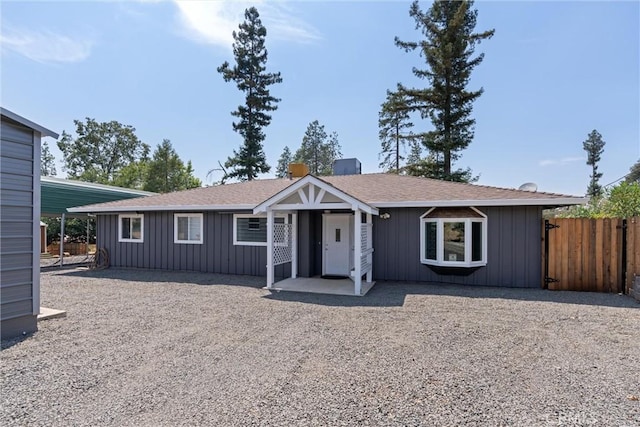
(313, 201)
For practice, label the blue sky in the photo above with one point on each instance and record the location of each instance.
(553, 72)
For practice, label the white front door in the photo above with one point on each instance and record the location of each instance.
(337, 244)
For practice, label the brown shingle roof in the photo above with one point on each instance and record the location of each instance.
(391, 188)
(374, 189)
(242, 194)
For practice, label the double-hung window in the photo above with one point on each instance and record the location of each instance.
(453, 237)
(131, 228)
(187, 228)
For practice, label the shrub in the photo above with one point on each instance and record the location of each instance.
(621, 201)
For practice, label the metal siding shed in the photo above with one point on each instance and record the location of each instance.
(19, 223)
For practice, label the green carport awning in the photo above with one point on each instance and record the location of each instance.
(57, 194)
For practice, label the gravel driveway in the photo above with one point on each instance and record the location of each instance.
(149, 348)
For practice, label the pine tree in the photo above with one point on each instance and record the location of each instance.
(166, 172)
(282, 170)
(190, 180)
(250, 77)
(394, 122)
(331, 151)
(433, 167)
(448, 48)
(415, 152)
(318, 150)
(594, 146)
(47, 161)
(163, 173)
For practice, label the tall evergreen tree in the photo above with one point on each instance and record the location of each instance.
(331, 153)
(282, 169)
(432, 167)
(448, 48)
(166, 172)
(318, 150)
(190, 181)
(415, 152)
(594, 146)
(394, 124)
(250, 77)
(162, 173)
(47, 161)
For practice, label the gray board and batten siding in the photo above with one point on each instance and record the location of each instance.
(19, 223)
(513, 246)
(513, 259)
(217, 253)
(513, 249)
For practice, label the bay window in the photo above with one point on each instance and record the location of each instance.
(453, 237)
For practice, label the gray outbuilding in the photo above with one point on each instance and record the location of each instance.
(19, 223)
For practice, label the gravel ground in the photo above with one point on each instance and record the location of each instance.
(145, 348)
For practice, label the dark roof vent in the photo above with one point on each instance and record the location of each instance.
(347, 167)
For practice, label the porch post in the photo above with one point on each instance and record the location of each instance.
(294, 245)
(369, 245)
(357, 252)
(269, 248)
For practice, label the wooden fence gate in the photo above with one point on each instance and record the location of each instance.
(593, 255)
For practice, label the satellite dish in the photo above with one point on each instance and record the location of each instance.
(529, 186)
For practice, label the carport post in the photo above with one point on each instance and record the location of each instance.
(62, 239)
(86, 245)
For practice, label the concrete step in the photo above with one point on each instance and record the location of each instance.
(50, 313)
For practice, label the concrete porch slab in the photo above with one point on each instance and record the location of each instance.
(50, 313)
(317, 285)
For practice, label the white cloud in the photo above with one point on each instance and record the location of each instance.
(213, 22)
(45, 46)
(563, 161)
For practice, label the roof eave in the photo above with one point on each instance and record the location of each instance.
(416, 204)
(26, 122)
(177, 208)
(559, 201)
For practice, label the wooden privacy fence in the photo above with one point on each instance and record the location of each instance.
(71, 248)
(595, 255)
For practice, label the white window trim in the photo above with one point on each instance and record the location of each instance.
(175, 228)
(440, 261)
(131, 216)
(236, 242)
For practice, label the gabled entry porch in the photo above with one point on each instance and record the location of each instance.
(328, 233)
